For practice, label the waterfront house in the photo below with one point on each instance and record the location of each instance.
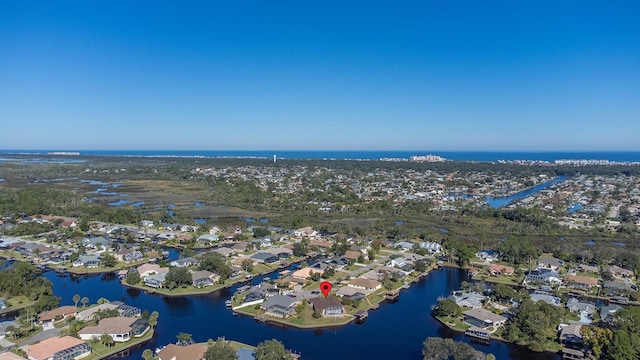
(58, 348)
(471, 300)
(365, 284)
(88, 261)
(155, 280)
(184, 262)
(187, 352)
(57, 314)
(204, 278)
(120, 328)
(280, 306)
(224, 251)
(328, 307)
(496, 270)
(483, 318)
(570, 336)
(302, 275)
(619, 287)
(585, 310)
(608, 312)
(145, 270)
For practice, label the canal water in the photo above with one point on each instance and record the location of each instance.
(498, 202)
(394, 331)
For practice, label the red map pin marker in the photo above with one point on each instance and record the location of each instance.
(325, 287)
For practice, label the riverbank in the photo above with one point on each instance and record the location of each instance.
(460, 327)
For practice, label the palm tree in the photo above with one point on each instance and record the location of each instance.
(184, 339)
(76, 298)
(84, 301)
(153, 319)
(107, 340)
(147, 354)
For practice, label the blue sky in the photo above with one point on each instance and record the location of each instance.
(302, 75)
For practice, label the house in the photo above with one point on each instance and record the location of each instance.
(57, 314)
(496, 270)
(617, 271)
(147, 223)
(204, 278)
(585, 310)
(88, 261)
(488, 255)
(90, 312)
(431, 247)
(397, 262)
(187, 352)
(589, 268)
(264, 257)
(302, 275)
(365, 284)
(546, 297)
(305, 232)
(145, 270)
(608, 312)
(619, 287)
(351, 293)
(280, 306)
(155, 280)
(404, 245)
(97, 243)
(581, 282)
(546, 276)
(226, 252)
(184, 262)
(58, 348)
(129, 255)
(328, 307)
(69, 224)
(120, 328)
(549, 262)
(471, 300)
(352, 255)
(483, 318)
(208, 238)
(570, 335)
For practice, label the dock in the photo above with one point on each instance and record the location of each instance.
(477, 332)
(361, 315)
(392, 295)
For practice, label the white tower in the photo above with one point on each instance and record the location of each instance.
(274, 158)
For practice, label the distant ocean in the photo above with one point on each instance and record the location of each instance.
(481, 156)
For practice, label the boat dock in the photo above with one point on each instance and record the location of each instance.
(392, 295)
(477, 332)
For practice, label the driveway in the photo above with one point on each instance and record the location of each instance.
(41, 336)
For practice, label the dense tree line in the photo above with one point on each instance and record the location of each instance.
(534, 324)
(435, 348)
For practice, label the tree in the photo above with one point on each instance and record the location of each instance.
(435, 348)
(447, 307)
(179, 276)
(84, 301)
(107, 340)
(421, 266)
(84, 225)
(102, 301)
(272, 350)
(597, 339)
(184, 339)
(300, 249)
(76, 298)
(220, 350)
(133, 278)
(153, 319)
(504, 293)
(147, 354)
(361, 259)
(109, 261)
(260, 232)
(371, 254)
(247, 265)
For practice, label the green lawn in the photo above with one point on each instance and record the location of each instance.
(99, 351)
(17, 303)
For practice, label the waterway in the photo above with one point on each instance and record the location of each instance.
(394, 331)
(498, 202)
